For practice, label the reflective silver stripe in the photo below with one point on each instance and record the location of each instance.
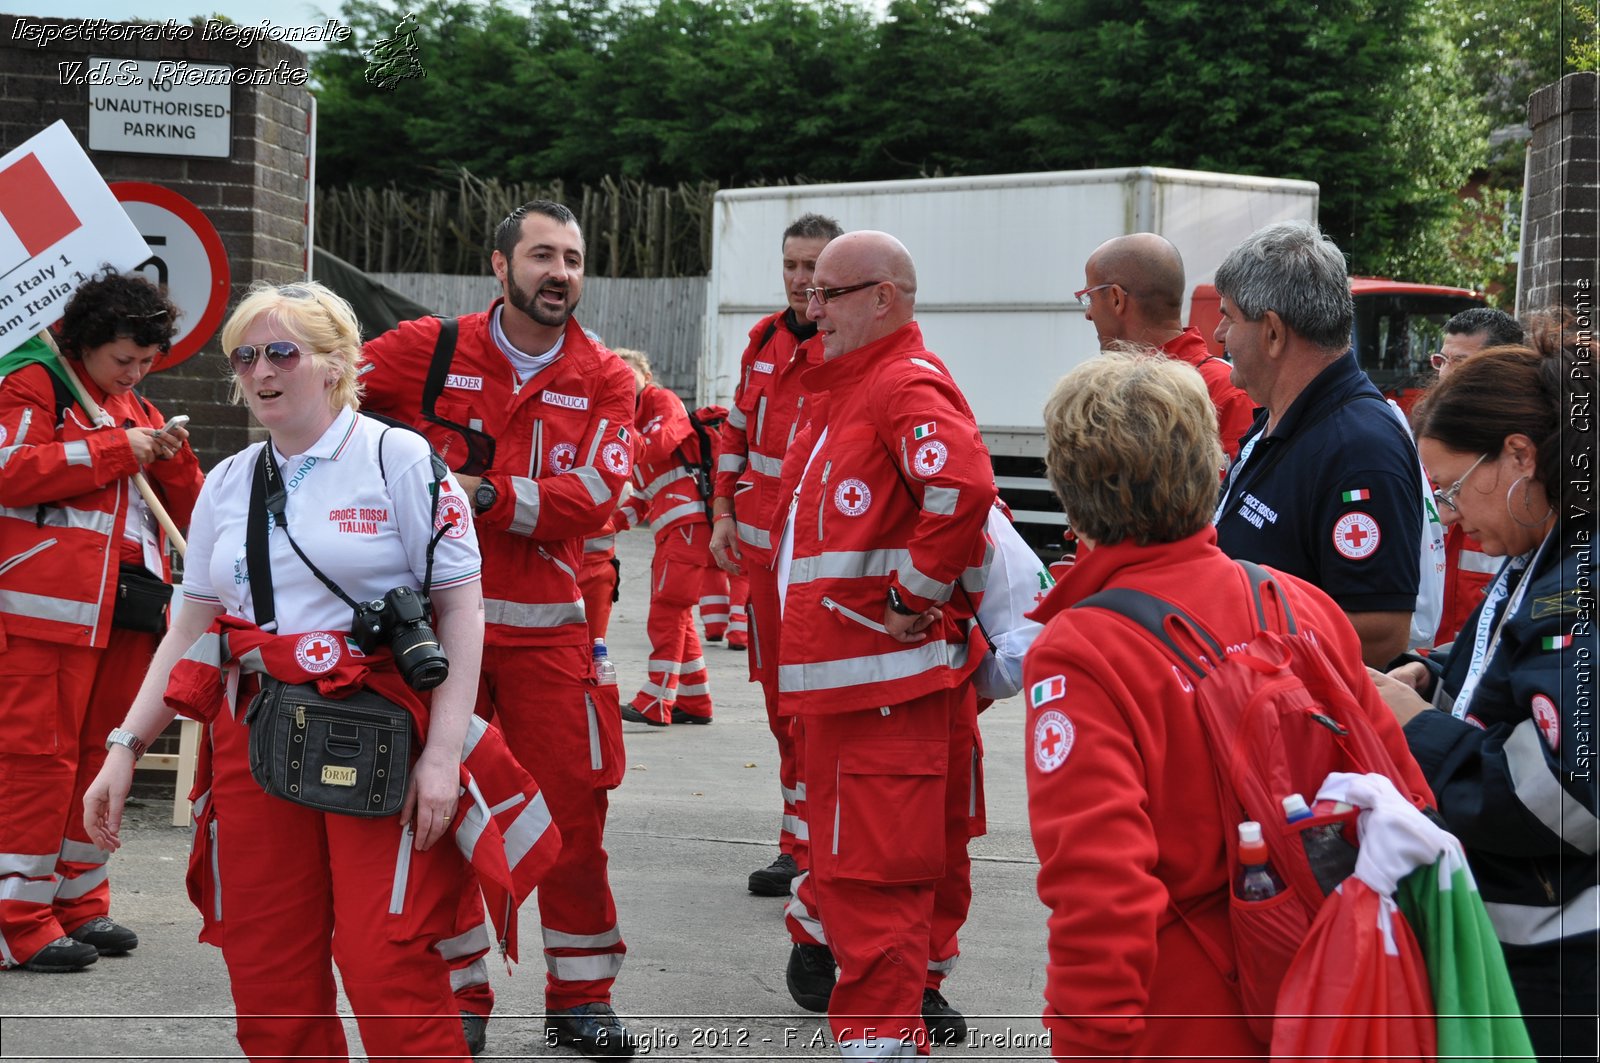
(671, 476)
(599, 437)
(733, 463)
(75, 519)
(465, 944)
(669, 667)
(526, 830)
(584, 968)
(1475, 561)
(82, 852)
(940, 501)
(532, 614)
(880, 668)
(216, 870)
(207, 649)
(796, 826)
(30, 890)
(945, 966)
(737, 418)
(924, 586)
(761, 415)
(766, 466)
(402, 872)
(1543, 795)
(658, 691)
(714, 599)
(29, 865)
(599, 544)
(557, 939)
(749, 533)
(77, 452)
(693, 690)
(474, 973)
(1526, 924)
(595, 761)
(525, 517)
(794, 796)
(476, 729)
(847, 564)
(39, 607)
(70, 889)
(470, 830)
(976, 578)
(5, 454)
(591, 478)
(688, 509)
(795, 909)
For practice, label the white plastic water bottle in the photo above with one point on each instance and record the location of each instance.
(605, 673)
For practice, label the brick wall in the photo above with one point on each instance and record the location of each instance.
(255, 198)
(1561, 242)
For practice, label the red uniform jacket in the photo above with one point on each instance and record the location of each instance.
(896, 495)
(767, 407)
(563, 447)
(1235, 410)
(1467, 574)
(1123, 804)
(64, 494)
(665, 494)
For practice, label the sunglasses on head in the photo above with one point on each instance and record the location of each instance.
(283, 354)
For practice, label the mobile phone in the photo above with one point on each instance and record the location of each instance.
(176, 422)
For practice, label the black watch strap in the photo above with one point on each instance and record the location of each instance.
(484, 497)
(898, 604)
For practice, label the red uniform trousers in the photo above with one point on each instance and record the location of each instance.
(793, 837)
(297, 888)
(598, 578)
(57, 704)
(722, 607)
(893, 801)
(677, 669)
(567, 733)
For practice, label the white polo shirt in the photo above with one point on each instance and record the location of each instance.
(367, 532)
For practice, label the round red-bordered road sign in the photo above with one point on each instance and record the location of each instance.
(186, 255)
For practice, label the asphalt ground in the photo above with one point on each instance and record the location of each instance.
(704, 976)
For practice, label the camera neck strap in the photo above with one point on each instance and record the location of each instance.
(269, 496)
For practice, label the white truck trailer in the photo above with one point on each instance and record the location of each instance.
(998, 259)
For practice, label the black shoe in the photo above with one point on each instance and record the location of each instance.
(62, 954)
(679, 716)
(946, 1026)
(811, 976)
(633, 715)
(773, 880)
(713, 638)
(739, 646)
(592, 1029)
(475, 1028)
(108, 938)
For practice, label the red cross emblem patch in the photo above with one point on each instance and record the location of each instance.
(1356, 536)
(1548, 721)
(617, 458)
(451, 512)
(931, 456)
(317, 652)
(1053, 735)
(852, 497)
(562, 457)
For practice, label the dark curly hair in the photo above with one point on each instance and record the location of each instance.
(110, 306)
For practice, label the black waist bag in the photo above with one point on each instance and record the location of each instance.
(350, 755)
(141, 601)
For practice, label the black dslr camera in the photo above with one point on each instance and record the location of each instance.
(400, 620)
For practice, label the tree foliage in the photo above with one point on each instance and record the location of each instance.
(1385, 103)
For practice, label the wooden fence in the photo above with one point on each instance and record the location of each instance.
(664, 317)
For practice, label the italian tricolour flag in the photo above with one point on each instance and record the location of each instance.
(1360, 494)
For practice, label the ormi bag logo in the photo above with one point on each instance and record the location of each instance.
(333, 775)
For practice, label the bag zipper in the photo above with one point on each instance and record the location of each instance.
(18, 559)
(829, 603)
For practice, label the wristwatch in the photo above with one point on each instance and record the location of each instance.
(483, 499)
(898, 604)
(121, 736)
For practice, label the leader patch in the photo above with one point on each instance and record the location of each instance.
(931, 456)
(617, 458)
(1548, 721)
(852, 497)
(317, 652)
(562, 457)
(453, 513)
(1053, 735)
(1356, 536)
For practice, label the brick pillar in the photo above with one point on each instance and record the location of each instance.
(1561, 239)
(255, 198)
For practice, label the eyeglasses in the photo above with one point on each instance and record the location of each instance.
(827, 295)
(283, 354)
(1447, 497)
(1439, 361)
(1082, 295)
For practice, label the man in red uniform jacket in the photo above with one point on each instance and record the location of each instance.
(536, 418)
(768, 403)
(1134, 292)
(888, 488)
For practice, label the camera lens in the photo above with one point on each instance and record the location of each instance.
(421, 661)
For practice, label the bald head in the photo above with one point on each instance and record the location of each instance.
(880, 269)
(871, 255)
(1149, 272)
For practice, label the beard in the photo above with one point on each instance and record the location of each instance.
(528, 303)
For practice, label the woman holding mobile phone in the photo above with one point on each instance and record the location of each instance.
(83, 584)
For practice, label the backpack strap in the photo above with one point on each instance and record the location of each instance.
(1152, 614)
(444, 349)
(1260, 578)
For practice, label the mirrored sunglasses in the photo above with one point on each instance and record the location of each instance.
(283, 354)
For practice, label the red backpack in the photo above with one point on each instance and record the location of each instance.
(1278, 719)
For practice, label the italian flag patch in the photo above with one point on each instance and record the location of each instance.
(1359, 495)
(1047, 690)
(1557, 642)
(923, 431)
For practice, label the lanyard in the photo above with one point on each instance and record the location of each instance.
(1234, 473)
(1483, 642)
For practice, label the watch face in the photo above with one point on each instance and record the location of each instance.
(484, 496)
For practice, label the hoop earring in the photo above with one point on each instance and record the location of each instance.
(1526, 497)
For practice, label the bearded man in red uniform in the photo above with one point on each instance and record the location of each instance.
(537, 420)
(882, 508)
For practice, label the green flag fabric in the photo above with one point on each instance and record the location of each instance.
(33, 351)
